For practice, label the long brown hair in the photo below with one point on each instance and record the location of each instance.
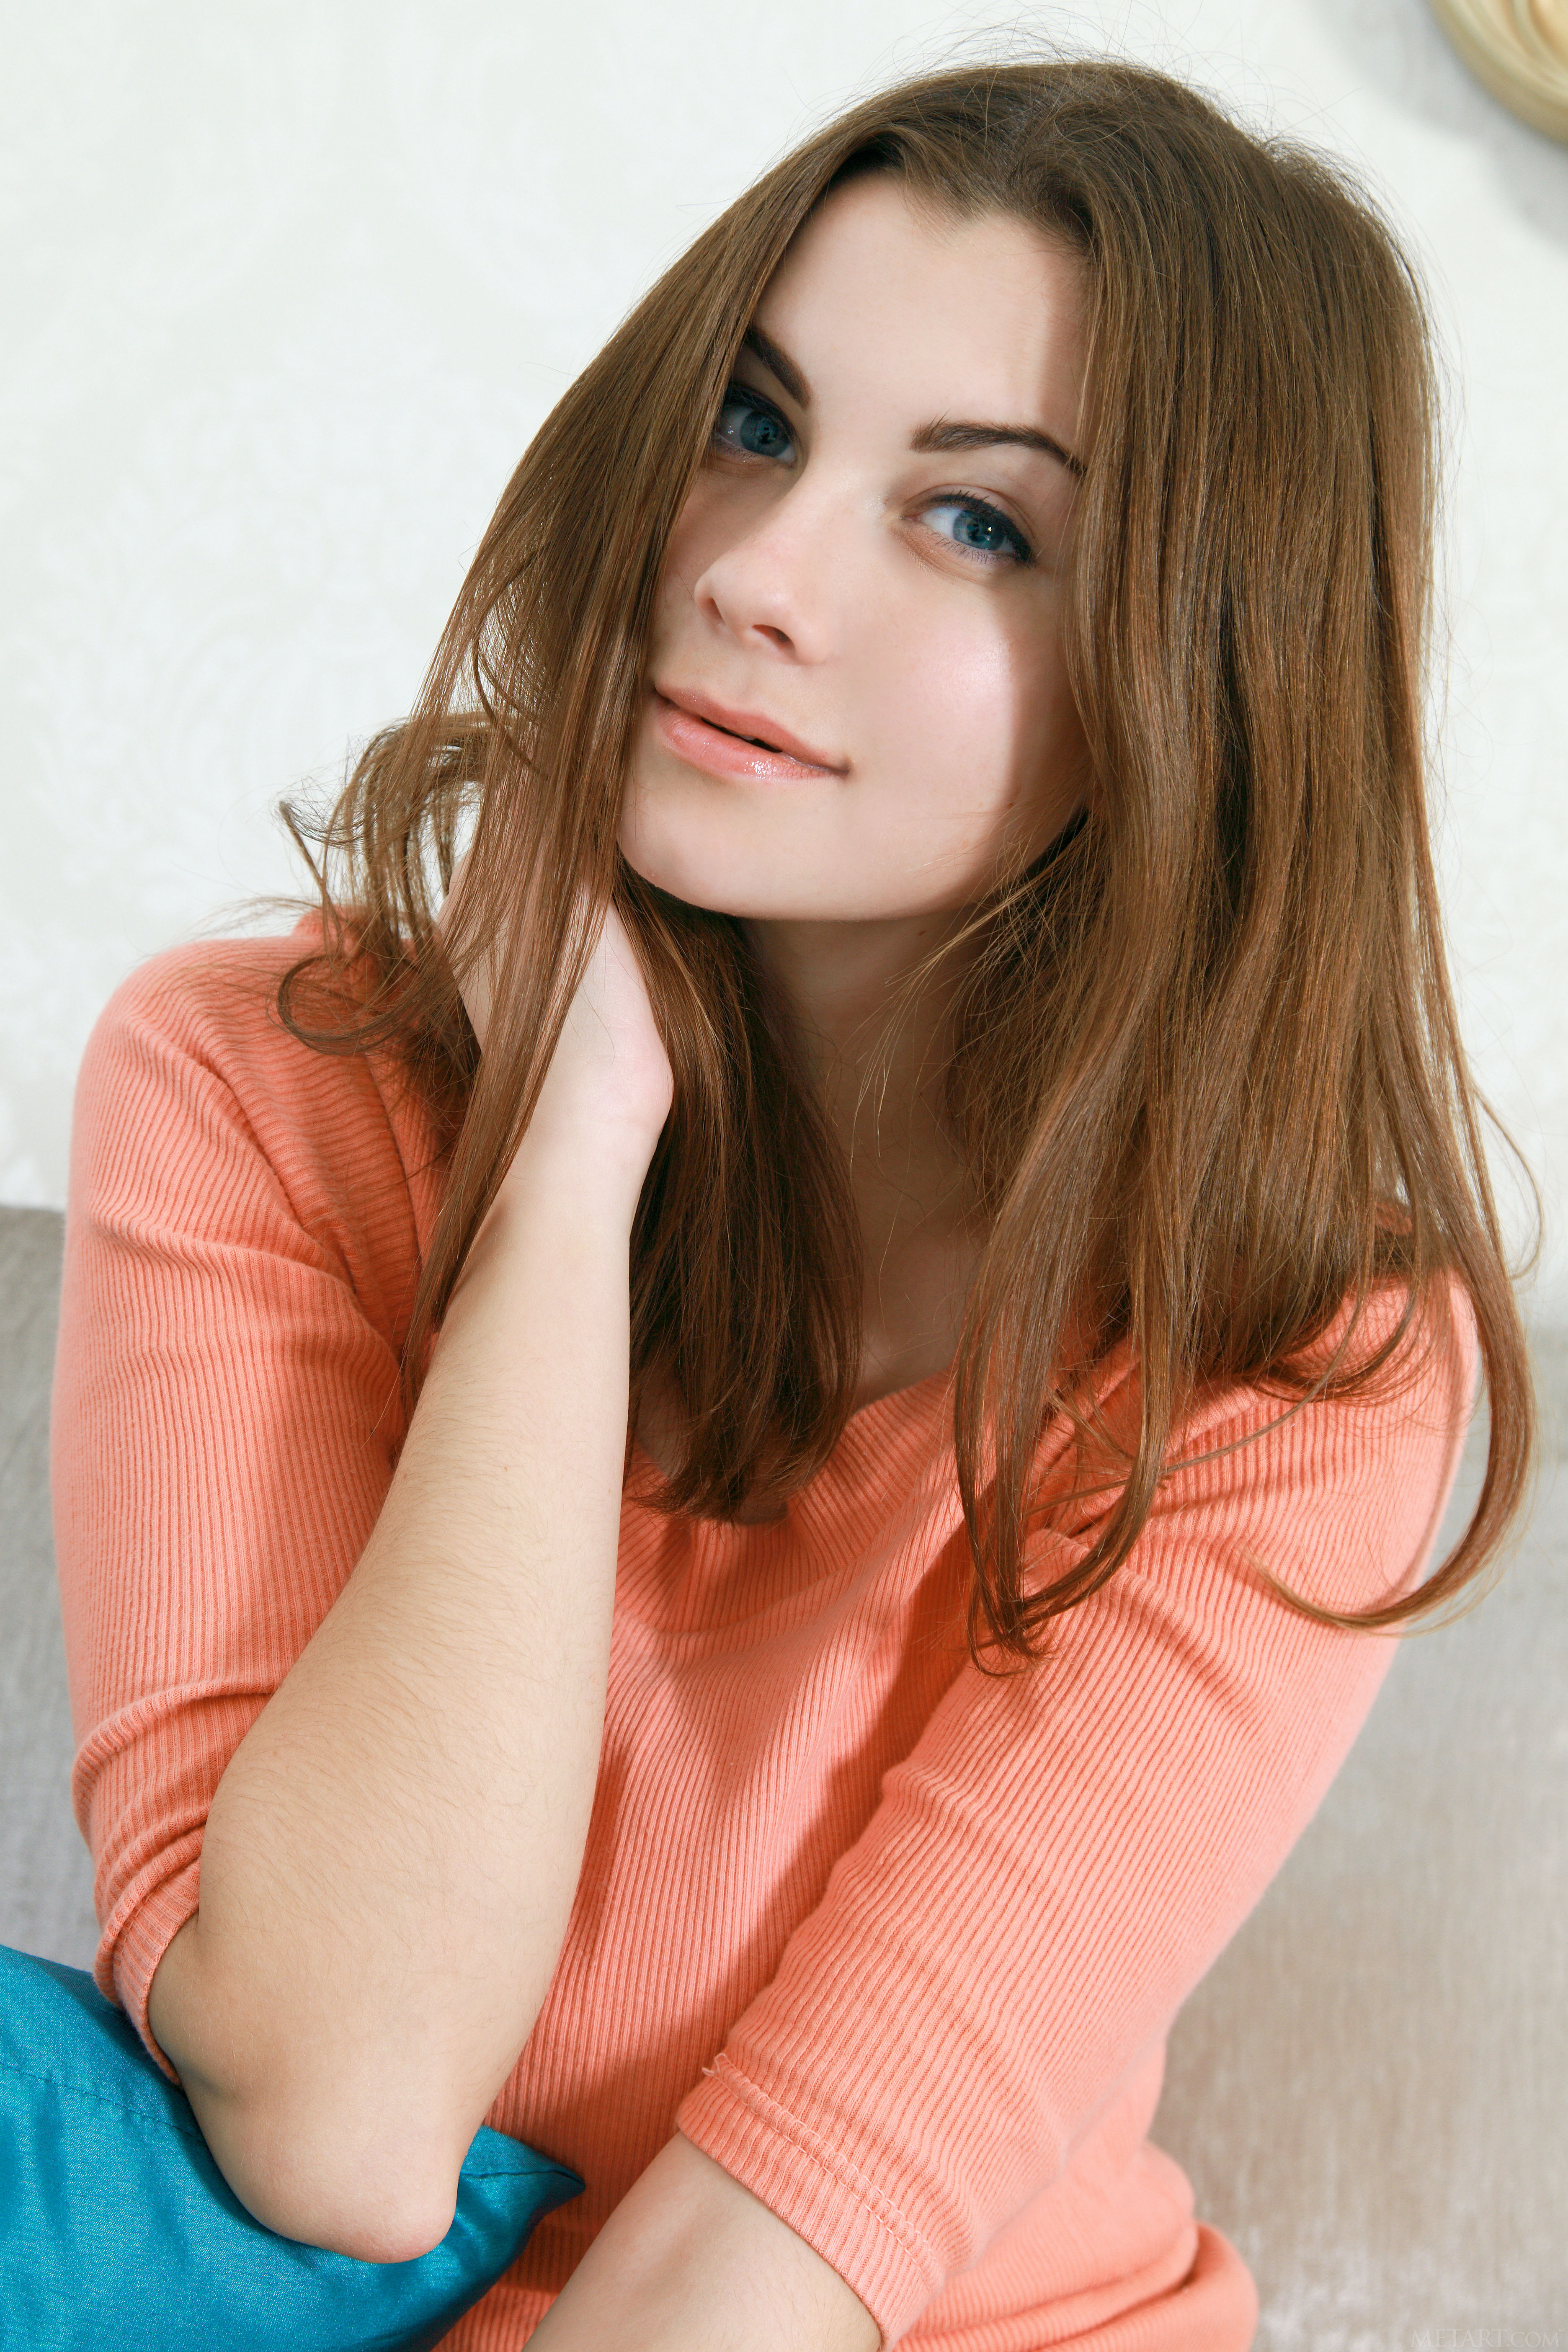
(1208, 1079)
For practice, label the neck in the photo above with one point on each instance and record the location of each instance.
(883, 1099)
(837, 982)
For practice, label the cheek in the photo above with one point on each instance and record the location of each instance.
(706, 525)
(978, 711)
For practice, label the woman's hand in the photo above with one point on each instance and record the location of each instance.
(609, 1084)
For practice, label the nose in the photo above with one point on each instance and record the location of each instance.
(775, 584)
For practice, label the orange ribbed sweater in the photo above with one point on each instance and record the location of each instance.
(895, 1943)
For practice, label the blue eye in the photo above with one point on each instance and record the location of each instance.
(982, 529)
(750, 427)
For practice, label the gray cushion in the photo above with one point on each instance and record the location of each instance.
(1368, 2087)
(46, 1875)
(1369, 2090)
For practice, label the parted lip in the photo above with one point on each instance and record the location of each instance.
(751, 726)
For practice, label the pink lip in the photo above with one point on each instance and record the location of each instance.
(709, 734)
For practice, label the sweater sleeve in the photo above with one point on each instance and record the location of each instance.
(1062, 1854)
(226, 1403)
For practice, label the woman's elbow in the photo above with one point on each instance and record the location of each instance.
(326, 2188)
(314, 2152)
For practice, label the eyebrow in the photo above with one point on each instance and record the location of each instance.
(942, 433)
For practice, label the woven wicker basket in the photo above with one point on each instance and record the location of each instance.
(1520, 49)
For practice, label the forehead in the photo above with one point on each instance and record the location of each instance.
(980, 317)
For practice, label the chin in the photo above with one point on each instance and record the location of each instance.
(740, 884)
(767, 872)
(733, 894)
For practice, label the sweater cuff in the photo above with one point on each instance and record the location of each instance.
(129, 1955)
(820, 2193)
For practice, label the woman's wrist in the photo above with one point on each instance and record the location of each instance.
(566, 1184)
(596, 1165)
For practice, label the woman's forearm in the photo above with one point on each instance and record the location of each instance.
(390, 1859)
(690, 2260)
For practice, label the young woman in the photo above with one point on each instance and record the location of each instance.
(725, 1495)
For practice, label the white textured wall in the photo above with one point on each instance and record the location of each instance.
(287, 287)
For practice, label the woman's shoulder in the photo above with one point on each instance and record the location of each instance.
(1335, 1471)
(195, 1095)
(1394, 1353)
(217, 993)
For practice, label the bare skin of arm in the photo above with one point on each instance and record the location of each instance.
(690, 2261)
(390, 1859)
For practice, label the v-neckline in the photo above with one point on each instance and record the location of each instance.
(894, 1403)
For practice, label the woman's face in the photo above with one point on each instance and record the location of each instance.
(868, 574)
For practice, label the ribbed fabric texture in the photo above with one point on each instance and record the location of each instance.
(896, 1942)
